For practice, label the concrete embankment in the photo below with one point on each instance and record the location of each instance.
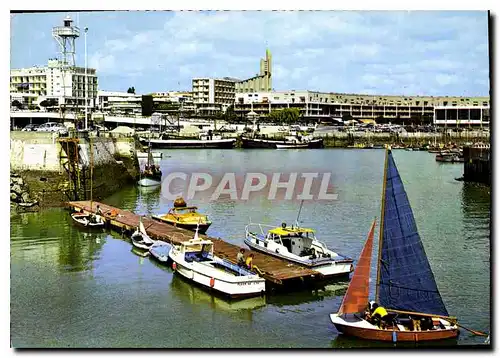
(55, 170)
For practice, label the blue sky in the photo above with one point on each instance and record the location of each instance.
(382, 52)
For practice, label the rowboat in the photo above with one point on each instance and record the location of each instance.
(298, 245)
(405, 284)
(160, 250)
(185, 217)
(140, 239)
(89, 221)
(195, 260)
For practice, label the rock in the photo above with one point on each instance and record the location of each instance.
(14, 175)
(13, 197)
(16, 188)
(16, 180)
(26, 197)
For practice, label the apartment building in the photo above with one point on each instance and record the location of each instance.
(66, 86)
(119, 103)
(211, 95)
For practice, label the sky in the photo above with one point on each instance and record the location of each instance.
(434, 53)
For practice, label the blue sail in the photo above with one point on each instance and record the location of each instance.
(406, 281)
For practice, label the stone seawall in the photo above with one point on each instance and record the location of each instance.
(56, 170)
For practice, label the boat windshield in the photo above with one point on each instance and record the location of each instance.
(186, 210)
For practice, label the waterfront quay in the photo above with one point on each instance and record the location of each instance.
(280, 273)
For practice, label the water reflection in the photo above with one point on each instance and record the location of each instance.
(337, 289)
(197, 296)
(343, 341)
(51, 237)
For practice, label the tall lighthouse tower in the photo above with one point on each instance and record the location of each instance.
(65, 36)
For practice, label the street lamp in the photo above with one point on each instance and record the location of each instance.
(86, 79)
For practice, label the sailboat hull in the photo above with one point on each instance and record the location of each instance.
(364, 330)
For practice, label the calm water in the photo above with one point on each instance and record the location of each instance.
(70, 288)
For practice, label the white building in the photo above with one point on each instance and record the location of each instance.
(67, 87)
(211, 95)
(119, 102)
(463, 115)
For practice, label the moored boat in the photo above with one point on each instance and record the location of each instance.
(140, 239)
(89, 221)
(185, 217)
(291, 142)
(195, 260)
(298, 245)
(405, 284)
(204, 141)
(151, 175)
(160, 250)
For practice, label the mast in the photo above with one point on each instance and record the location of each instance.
(381, 230)
(298, 215)
(91, 169)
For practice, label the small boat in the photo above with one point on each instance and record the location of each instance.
(140, 239)
(405, 284)
(449, 157)
(298, 245)
(185, 217)
(160, 250)
(89, 221)
(195, 260)
(151, 175)
(144, 155)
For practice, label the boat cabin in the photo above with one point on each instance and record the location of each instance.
(298, 241)
(197, 250)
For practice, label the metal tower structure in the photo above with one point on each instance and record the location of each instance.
(65, 36)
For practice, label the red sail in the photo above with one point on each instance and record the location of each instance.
(356, 297)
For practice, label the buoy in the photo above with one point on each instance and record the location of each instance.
(212, 282)
(174, 266)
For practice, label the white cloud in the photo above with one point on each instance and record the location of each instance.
(385, 52)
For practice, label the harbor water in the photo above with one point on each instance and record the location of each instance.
(71, 288)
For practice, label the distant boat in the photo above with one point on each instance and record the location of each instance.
(151, 175)
(144, 155)
(405, 284)
(205, 141)
(290, 142)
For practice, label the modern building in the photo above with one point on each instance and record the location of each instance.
(119, 103)
(261, 82)
(211, 95)
(462, 116)
(67, 86)
(318, 105)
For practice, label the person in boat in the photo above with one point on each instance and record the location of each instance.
(240, 258)
(98, 211)
(249, 261)
(379, 315)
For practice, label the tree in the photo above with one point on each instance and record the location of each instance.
(230, 115)
(131, 90)
(44, 103)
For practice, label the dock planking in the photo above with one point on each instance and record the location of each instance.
(272, 269)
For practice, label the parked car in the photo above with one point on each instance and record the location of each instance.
(30, 128)
(52, 127)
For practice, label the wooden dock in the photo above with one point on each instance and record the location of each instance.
(273, 269)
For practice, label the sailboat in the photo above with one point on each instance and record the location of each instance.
(405, 284)
(151, 175)
(140, 238)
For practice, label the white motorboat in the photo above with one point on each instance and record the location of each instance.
(149, 182)
(141, 239)
(144, 155)
(195, 260)
(298, 245)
